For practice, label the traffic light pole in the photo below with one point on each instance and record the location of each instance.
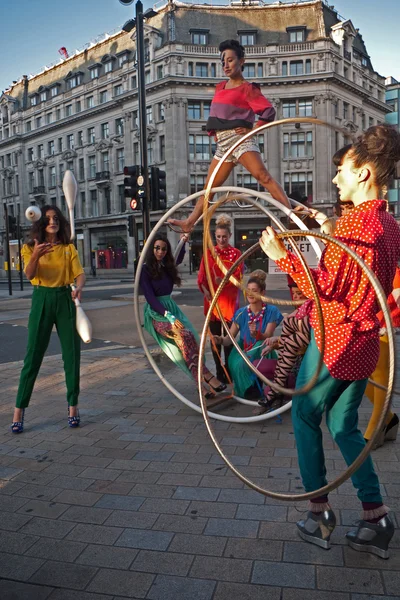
(21, 277)
(8, 258)
(142, 117)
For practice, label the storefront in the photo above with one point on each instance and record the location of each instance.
(109, 247)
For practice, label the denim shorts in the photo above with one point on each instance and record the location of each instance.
(225, 140)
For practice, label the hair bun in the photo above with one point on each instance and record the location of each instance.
(223, 220)
(260, 276)
(381, 140)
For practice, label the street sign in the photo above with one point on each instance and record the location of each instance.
(133, 204)
(140, 180)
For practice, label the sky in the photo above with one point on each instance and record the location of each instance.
(32, 31)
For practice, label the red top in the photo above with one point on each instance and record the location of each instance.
(347, 298)
(228, 301)
(393, 301)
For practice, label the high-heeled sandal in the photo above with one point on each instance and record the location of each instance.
(217, 390)
(391, 429)
(18, 426)
(75, 420)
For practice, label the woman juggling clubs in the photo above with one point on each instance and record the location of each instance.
(228, 301)
(52, 264)
(349, 309)
(233, 110)
(164, 320)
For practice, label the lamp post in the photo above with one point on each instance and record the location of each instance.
(138, 22)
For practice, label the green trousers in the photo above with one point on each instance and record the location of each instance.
(340, 399)
(51, 306)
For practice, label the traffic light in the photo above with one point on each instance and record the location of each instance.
(158, 189)
(131, 225)
(12, 227)
(134, 186)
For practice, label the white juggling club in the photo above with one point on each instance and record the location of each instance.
(83, 325)
(70, 189)
(33, 213)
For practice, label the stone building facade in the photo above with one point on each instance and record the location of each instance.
(82, 114)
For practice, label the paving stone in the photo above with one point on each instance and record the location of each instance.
(97, 473)
(47, 528)
(166, 467)
(9, 472)
(212, 509)
(121, 583)
(95, 534)
(12, 521)
(8, 488)
(283, 574)
(38, 492)
(85, 514)
(158, 456)
(364, 560)
(78, 497)
(278, 531)
(245, 441)
(9, 504)
(173, 507)
(198, 544)
(145, 540)
(261, 513)
(114, 501)
(138, 477)
(60, 594)
(107, 557)
(180, 524)
(49, 510)
(232, 528)
(241, 497)
(21, 568)
(254, 549)
(153, 491)
(56, 549)
(129, 465)
(167, 563)
(61, 574)
(296, 594)
(392, 582)
(178, 479)
(192, 493)
(234, 591)
(37, 478)
(16, 543)
(131, 519)
(113, 487)
(71, 483)
(221, 569)
(350, 580)
(222, 482)
(180, 588)
(14, 590)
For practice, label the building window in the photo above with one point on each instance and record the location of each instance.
(107, 198)
(90, 102)
(92, 166)
(30, 154)
(299, 183)
(28, 126)
(146, 51)
(296, 35)
(345, 110)
(297, 145)
(81, 169)
(83, 204)
(135, 119)
(161, 113)
(249, 70)
(54, 91)
(43, 96)
(118, 90)
(305, 108)
(260, 70)
(297, 108)
(121, 198)
(52, 177)
(93, 203)
(149, 115)
(199, 36)
(160, 72)
(206, 110)
(70, 141)
(261, 142)
(103, 97)
(284, 68)
(197, 183)
(105, 161)
(58, 114)
(147, 77)
(122, 59)
(296, 67)
(91, 137)
(49, 118)
(60, 144)
(136, 153)
(120, 160)
(62, 171)
(31, 181)
(289, 109)
(74, 81)
(190, 69)
(119, 126)
(34, 101)
(162, 148)
(201, 69)
(104, 131)
(40, 151)
(108, 66)
(247, 38)
(38, 122)
(134, 82)
(78, 106)
(94, 73)
(308, 65)
(194, 109)
(248, 181)
(50, 148)
(199, 147)
(68, 110)
(80, 138)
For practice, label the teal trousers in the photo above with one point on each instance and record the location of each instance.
(51, 306)
(340, 400)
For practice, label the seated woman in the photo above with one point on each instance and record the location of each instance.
(255, 323)
(291, 346)
(163, 319)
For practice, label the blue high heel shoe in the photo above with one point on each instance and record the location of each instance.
(18, 426)
(74, 421)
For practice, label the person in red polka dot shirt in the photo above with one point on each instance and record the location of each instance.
(351, 352)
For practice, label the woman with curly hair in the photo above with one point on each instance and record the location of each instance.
(233, 110)
(52, 264)
(351, 351)
(163, 319)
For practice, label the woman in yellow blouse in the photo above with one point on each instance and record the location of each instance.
(51, 263)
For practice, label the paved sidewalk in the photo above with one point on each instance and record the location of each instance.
(137, 504)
